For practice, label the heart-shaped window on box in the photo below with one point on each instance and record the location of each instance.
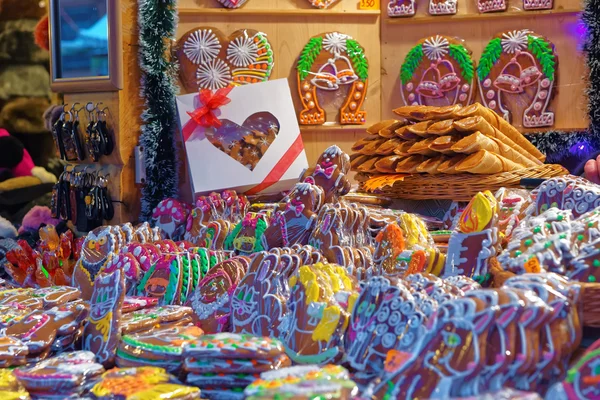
(246, 143)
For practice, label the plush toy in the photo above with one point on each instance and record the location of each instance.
(15, 161)
(7, 230)
(35, 217)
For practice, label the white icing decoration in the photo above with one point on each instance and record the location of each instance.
(335, 42)
(202, 46)
(435, 47)
(514, 41)
(213, 75)
(242, 51)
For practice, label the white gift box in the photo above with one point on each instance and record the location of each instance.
(255, 109)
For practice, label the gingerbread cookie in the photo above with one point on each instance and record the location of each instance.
(102, 331)
(438, 71)
(230, 345)
(294, 225)
(517, 73)
(330, 173)
(385, 317)
(161, 347)
(474, 241)
(99, 247)
(318, 311)
(66, 373)
(234, 366)
(332, 62)
(307, 381)
(401, 8)
(443, 7)
(258, 302)
(148, 318)
(211, 60)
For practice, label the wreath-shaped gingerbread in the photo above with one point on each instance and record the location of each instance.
(438, 71)
(209, 59)
(517, 74)
(330, 62)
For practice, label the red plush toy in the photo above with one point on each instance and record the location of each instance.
(15, 161)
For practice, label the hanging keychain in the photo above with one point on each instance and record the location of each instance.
(57, 134)
(91, 141)
(108, 210)
(75, 137)
(104, 133)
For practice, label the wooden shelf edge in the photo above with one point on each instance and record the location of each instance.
(483, 17)
(332, 128)
(255, 12)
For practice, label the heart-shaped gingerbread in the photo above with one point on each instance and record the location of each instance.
(246, 143)
(209, 59)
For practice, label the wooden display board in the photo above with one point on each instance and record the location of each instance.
(289, 24)
(124, 119)
(560, 26)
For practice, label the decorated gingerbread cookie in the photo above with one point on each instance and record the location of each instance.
(330, 173)
(102, 331)
(313, 336)
(485, 6)
(401, 8)
(99, 247)
(538, 4)
(233, 346)
(258, 302)
(330, 63)
(170, 215)
(294, 225)
(159, 347)
(443, 7)
(322, 3)
(236, 365)
(248, 235)
(64, 373)
(307, 381)
(211, 60)
(582, 379)
(148, 318)
(232, 3)
(139, 384)
(438, 71)
(385, 317)
(475, 239)
(517, 73)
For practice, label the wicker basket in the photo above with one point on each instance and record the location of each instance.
(460, 187)
(589, 298)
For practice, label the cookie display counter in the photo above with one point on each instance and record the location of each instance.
(237, 206)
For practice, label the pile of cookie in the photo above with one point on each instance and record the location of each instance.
(36, 323)
(64, 376)
(557, 240)
(463, 341)
(444, 140)
(329, 381)
(222, 365)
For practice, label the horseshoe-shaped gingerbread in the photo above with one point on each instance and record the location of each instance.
(330, 62)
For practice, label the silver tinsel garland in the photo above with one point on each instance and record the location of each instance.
(157, 21)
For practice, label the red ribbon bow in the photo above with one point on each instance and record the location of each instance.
(204, 115)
